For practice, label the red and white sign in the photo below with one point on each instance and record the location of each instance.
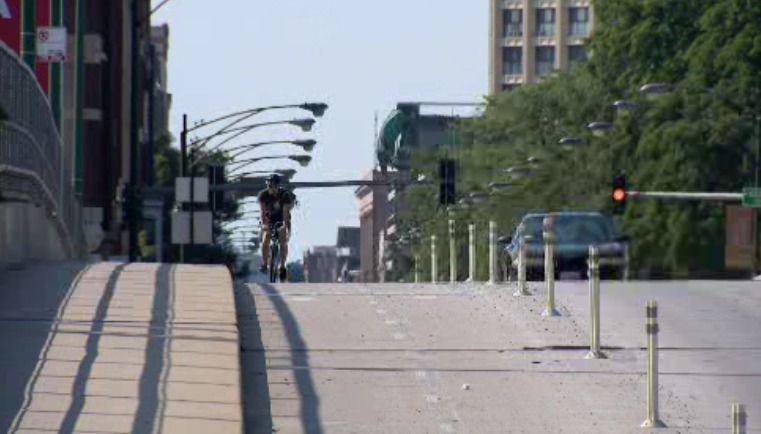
(51, 44)
(42, 21)
(10, 24)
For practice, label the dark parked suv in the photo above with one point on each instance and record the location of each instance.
(574, 233)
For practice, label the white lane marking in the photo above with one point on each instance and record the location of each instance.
(425, 297)
(447, 428)
(380, 311)
(391, 322)
(399, 336)
(301, 298)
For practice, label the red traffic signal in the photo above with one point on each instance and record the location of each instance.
(619, 195)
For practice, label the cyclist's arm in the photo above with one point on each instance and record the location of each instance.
(263, 213)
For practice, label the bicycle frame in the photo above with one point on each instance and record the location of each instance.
(274, 265)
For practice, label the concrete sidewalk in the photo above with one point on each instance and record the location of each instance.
(126, 348)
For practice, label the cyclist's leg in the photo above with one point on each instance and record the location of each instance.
(267, 237)
(284, 235)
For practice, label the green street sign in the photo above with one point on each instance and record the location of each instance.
(752, 197)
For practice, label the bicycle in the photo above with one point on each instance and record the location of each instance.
(274, 265)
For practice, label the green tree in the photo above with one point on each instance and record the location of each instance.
(699, 137)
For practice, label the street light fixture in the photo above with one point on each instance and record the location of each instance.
(571, 141)
(499, 186)
(478, 198)
(317, 109)
(600, 128)
(519, 172)
(654, 90)
(623, 106)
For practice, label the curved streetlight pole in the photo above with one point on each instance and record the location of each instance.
(304, 124)
(286, 173)
(307, 145)
(303, 160)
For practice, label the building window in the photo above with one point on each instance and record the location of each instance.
(545, 22)
(576, 54)
(545, 61)
(510, 87)
(579, 22)
(513, 23)
(513, 64)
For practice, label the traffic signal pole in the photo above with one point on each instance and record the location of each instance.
(678, 195)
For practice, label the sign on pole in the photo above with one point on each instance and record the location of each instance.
(752, 197)
(202, 227)
(200, 190)
(51, 44)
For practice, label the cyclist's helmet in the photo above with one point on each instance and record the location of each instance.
(273, 180)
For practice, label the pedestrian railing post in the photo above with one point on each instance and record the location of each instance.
(548, 233)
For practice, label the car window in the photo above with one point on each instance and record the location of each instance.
(572, 229)
(582, 230)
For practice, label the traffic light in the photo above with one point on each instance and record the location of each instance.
(619, 194)
(448, 180)
(216, 177)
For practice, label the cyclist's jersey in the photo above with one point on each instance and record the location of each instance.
(274, 203)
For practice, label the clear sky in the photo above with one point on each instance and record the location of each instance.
(360, 57)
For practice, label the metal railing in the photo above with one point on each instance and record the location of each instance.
(33, 162)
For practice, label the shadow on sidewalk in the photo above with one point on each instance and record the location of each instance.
(35, 326)
(255, 396)
(309, 401)
(30, 300)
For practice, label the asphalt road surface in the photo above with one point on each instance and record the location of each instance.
(350, 358)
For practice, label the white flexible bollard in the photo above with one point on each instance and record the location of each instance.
(548, 232)
(653, 419)
(522, 283)
(739, 419)
(471, 253)
(417, 268)
(434, 260)
(452, 253)
(595, 351)
(492, 253)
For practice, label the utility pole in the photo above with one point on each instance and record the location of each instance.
(134, 151)
(183, 165)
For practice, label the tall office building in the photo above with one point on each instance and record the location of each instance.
(529, 39)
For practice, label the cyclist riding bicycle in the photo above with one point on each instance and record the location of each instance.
(275, 204)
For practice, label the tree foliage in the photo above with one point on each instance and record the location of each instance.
(699, 137)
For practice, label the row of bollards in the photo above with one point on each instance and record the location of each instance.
(653, 420)
(493, 265)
